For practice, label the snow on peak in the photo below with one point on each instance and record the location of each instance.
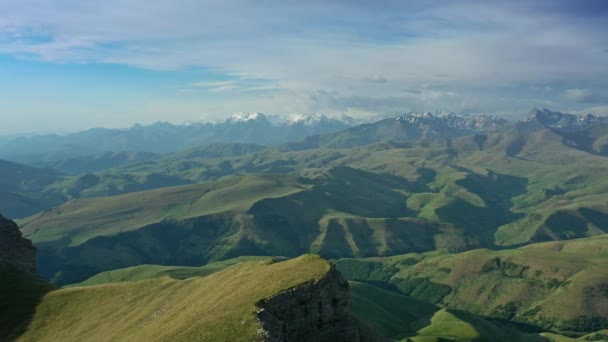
(311, 120)
(244, 117)
(478, 122)
(418, 118)
(561, 121)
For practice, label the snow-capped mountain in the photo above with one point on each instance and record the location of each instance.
(563, 122)
(408, 127)
(261, 129)
(311, 120)
(162, 137)
(477, 122)
(245, 117)
(282, 120)
(474, 123)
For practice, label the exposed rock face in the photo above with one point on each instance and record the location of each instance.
(14, 248)
(316, 311)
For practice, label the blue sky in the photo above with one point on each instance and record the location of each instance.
(69, 65)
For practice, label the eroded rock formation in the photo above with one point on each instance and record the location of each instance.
(317, 311)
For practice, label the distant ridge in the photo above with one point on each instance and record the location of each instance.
(564, 122)
(406, 127)
(164, 137)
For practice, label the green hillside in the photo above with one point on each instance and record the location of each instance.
(395, 315)
(82, 164)
(142, 272)
(490, 236)
(21, 191)
(217, 307)
(559, 286)
(250, 215)
(453, 325)
(526, 178)
(384, 199)
(79, 220)
(405, 318)
(521, 180)
(391, 313)
(111, 184)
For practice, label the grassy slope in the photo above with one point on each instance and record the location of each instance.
(21, 187)
(554, 285)
(453, 325)
(541, 177)
(528, 189)
(82, 219)
(391, 199)
(340, 212)
(401, 317)
(142, 272)
(217, 307)
(391, 313)
(395, 315)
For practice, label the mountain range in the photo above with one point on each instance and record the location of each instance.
(164, 137)
(249, 128)
(492, 227)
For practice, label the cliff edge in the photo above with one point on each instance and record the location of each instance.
(315, 311)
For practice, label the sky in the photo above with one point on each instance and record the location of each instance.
(67, 65)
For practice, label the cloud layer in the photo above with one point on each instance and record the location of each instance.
(345, 56)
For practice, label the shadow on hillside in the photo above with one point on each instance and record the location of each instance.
(497, 191)
(20, 294)
(598, 218)
(492, 329)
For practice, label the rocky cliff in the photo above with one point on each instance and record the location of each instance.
(316, 311)
(14, 248)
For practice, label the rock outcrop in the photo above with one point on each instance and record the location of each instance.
(16, 250)
(317, 311)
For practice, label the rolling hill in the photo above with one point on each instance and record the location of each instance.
(97, 162)
(21, 191)
(510, 185)
(141, 272)
(248, 215)
(559, 286)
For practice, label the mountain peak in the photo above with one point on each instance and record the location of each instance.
(561, 121)
(311, 120)
(477, 122)
(424, 118)
(245, 117)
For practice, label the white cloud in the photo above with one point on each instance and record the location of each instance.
(225, 88)
(212, 84)
(598, 110)
(328, 55)
(583, 96)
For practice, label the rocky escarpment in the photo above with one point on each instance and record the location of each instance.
(317, 311)
(14, 248)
